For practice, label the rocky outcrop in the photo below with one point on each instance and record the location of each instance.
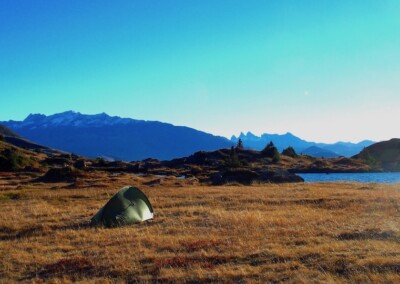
(248, 176)
(65, 174)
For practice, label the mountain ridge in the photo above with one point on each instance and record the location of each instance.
(69, 118)
(282, 141)
(95, 135)
(113, 136)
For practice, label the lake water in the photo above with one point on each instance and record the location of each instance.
(353, 177)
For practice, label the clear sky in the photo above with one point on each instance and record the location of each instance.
(323, 70)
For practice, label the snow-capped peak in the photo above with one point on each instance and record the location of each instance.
(71, 118)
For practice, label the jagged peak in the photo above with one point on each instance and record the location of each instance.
(242, 135)
(250, 134)
(68, 112)
(34, 116)
(72, 118)
(289, 134)
(103, 114)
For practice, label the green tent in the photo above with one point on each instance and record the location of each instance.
(129, 205)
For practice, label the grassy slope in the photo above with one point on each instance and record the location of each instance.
(384, 154)
(22, 157)
(270, 233)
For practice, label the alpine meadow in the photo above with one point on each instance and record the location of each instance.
(200, 141)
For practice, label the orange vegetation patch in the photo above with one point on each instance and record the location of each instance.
(293, 233)
(68, 265)
(201, 244)
(185, 262)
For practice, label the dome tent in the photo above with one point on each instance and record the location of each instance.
(129, 205)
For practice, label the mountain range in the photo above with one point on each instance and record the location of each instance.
(113, 137)
(117, 138)
(282, 141)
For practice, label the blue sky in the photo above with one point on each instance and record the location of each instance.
(323, 70)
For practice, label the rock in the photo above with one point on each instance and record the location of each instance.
(153, 182)
(80, 164)
(57, 161)
(279, 176)
(247, 177)
(66, 174)
(242, 176)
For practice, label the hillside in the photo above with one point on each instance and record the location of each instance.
(318, 152)
(5, 131)
(13, 158)
(118, 138)
(383, 155)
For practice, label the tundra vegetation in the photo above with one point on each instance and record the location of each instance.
(217, 219)
(295, 233)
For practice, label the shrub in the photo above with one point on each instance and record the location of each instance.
(290, 152)
(270, 151)
(12, 160)
(101, 161)
(233, 160)
(239, 144)
(276, 157)
(368, 157)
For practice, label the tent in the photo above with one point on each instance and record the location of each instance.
(129, 205)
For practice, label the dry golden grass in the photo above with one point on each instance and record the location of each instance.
(296, 233)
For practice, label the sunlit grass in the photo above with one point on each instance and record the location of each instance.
(337, 232)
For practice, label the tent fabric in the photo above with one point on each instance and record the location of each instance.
(129, 205)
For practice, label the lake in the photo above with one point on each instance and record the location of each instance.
(352, 177)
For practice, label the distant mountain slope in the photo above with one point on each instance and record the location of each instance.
(385, 155)
(318, 152)
(119, 138)
(7, 132)
(345, 149)
(13, 138)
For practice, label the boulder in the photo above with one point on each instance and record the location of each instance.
(65, 174)
(242, 176)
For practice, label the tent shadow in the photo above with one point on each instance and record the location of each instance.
(146, 223)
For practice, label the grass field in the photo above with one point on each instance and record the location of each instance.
(296, 233)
